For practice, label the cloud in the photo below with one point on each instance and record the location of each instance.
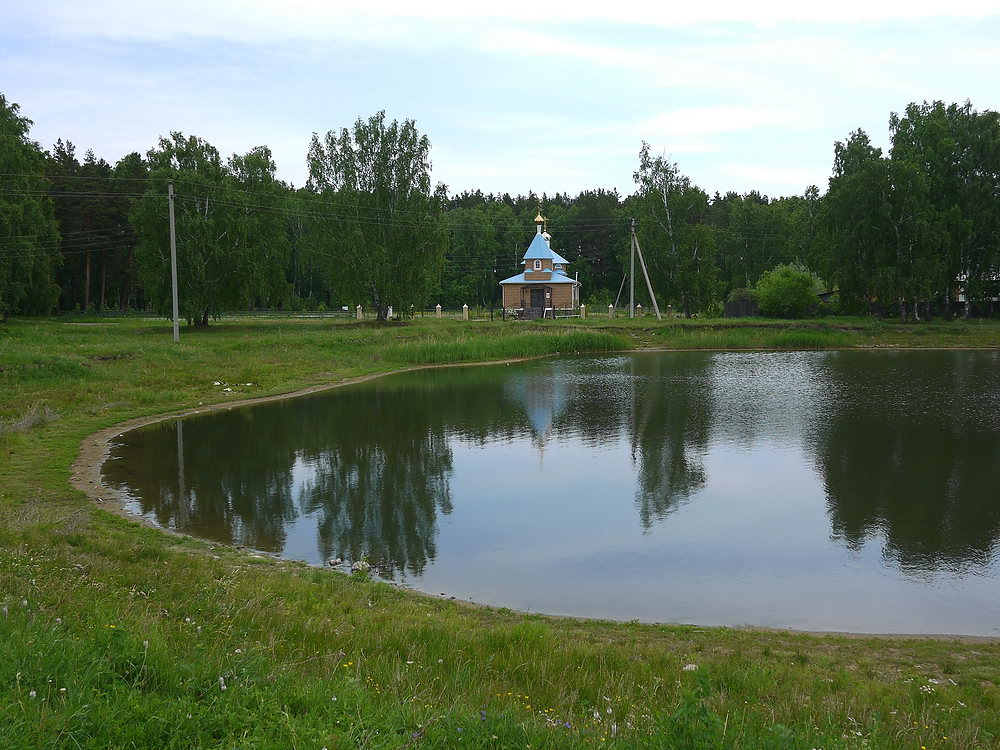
(267, 21)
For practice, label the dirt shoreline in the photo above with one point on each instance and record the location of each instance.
(85, 476)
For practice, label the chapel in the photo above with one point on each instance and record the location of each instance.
(544, 288)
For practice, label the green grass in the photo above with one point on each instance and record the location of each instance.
(139, 626)
(480, 348)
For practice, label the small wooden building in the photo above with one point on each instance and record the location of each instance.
(544, 287)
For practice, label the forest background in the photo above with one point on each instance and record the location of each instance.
(913, 232)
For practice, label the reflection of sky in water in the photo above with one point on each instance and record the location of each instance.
(780, 489)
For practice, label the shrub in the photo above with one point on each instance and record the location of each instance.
(742, 296)
(787, 291)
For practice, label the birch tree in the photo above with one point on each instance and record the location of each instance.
(679, 247)
(231, 243)
(379, 219)
(30, 238)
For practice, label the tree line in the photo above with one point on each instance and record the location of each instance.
(915, 231)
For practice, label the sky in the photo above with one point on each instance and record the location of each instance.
(515, 97)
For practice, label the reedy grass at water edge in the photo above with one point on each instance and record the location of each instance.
(479, 348)
(139, 626)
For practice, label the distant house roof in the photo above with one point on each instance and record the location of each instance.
(556, 277)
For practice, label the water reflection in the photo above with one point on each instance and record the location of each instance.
(913, 456)
(568, 454)
(670, 410)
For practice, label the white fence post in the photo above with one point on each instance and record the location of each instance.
(638, 311)
(611, 311)
(465, 312)
(359, 313)
(583, 311)
(437, 311)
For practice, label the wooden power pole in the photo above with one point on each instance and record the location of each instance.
(645, 273)
(173, 259)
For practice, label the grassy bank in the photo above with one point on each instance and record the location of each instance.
(114, 635)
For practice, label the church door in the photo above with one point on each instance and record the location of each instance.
(538, 298)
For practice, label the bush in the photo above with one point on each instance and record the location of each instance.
(787, 291)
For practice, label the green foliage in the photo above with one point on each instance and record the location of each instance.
(678, 247)
(954, 151)
(98, 244)
(902, 230)
(742, 295)
(469, 275)
(230, 250)
(787, 291)
(28, 231)
(384, 232)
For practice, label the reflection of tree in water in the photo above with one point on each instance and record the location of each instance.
(378, 488)
(671, 412)
(922, 469)
(202, 476)
(372, 462)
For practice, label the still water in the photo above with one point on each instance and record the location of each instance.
(855, 491)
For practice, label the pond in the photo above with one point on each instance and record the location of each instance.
(848, 491)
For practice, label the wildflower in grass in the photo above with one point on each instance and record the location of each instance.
(32, 694)
(62, 691)
(222, 684)
(689, 667)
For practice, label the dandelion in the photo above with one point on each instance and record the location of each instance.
(32, 694)
(222, 684)
(440, 661)
(145, 644)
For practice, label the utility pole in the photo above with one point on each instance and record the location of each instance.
(173, 259)
(645, 273)
(631, 275)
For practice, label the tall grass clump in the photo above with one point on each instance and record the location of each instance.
(764, 337)
(808, 340)
(481, 348)
(36, 414)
